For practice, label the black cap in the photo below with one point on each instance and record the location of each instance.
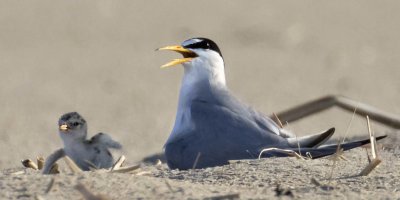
(201, 43)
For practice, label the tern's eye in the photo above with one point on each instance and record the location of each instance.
(75, 124)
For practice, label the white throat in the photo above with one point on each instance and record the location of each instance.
(74, 138)
(203, 72)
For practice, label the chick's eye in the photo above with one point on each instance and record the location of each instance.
(75, 124)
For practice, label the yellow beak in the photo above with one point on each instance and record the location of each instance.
(187, 54)
(63, 127)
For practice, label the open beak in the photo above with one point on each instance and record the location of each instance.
(63, 127)
(187, 55)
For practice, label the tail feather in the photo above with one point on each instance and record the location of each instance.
(322, 151)
(311, 141)
(327, 150)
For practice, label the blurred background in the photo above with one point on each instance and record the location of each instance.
(98, 58)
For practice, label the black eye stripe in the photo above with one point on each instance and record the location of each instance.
(204, 43)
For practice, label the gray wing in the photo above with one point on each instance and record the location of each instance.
(106, 140)
(250, 126)
(220, 99)
(238, 127)
(227, 100)
(219, 134)
(222, 128)
(269, 126)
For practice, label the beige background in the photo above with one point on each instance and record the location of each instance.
(98, 58)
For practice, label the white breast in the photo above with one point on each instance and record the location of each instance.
(208, 68)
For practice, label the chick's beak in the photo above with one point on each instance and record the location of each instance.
(63, 127)
(187, 55)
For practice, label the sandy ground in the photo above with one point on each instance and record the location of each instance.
(98, 58)
(247, 179)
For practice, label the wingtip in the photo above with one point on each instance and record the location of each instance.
(311, 141)
(381, 137)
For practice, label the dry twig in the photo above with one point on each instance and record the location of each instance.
(339, 151)
(278, 120)
(284, 151)
(72, 165)
(226, 196)
(119, 163)
(40, 162)
(28, 163)
(126, 169)
(196, 160)
(375, 160)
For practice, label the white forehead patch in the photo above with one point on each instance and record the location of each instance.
(191, 41)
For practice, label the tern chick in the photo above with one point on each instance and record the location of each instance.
(212, 126)
(93, 153)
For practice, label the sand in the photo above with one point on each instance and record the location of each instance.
(246, 179)
(98, 58)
